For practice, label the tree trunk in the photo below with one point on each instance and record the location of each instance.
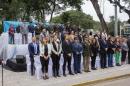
(100, 16)
(28, 13)
(54, 5)
(42, 15)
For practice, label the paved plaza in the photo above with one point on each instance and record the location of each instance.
(23, 79)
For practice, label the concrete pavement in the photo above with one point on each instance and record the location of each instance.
(23, 79)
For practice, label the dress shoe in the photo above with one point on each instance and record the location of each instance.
(105, 67)
(118, 64)
(71, 73)
(111, 66)
(94, 69)
(86, 70)
(58, 76)
(55, 76)
(75, 72)
(64, 75)
(47, 77)
(44, 77)
(32, 74)
(80, 72)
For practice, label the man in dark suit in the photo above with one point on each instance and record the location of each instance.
(128, 43)
(33, 51)
(67, 54)
(103, 52)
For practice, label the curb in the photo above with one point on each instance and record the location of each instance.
(101, 80)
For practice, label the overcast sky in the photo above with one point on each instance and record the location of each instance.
(108, 11)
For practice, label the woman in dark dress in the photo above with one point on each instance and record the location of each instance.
(94, 51)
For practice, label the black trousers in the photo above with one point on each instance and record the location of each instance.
(56, 64)
(44, 63)
(77, 62)
(93, 61)
(103, 61)
(123, 57)
(32, 65)
(67, 59)
(11, 39)
(24, 38)
(129, 56)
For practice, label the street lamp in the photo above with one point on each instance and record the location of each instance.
(116, 20)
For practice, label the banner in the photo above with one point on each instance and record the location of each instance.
(14, 23)
(7, 24)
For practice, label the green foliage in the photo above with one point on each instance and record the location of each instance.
(111, 25)
(11, 9)
(74, 3)
(74, 17)
(57, 19)
(14, 9)
(97, 26)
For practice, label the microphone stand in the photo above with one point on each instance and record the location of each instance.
(2, 81)
(2, 63)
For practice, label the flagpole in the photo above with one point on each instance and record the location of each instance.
(2, 63)
(116, 20)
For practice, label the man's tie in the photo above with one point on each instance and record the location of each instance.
(35, 48)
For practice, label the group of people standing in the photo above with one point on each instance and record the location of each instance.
(73, 45)
(23, 30)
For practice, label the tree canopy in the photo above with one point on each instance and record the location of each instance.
(74, 17)
(14, 9)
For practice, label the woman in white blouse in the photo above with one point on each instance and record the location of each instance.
(45, 51)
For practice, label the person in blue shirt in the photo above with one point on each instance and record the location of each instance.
(77, 49)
